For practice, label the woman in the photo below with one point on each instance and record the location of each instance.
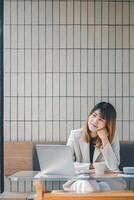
(97, 141)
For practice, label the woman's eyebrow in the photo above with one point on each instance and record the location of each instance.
(99, 116)
(95, 113)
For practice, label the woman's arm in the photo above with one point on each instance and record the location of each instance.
(111, 154)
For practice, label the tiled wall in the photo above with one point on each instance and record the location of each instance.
(62, 57)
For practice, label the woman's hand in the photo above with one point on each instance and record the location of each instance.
(102, 134)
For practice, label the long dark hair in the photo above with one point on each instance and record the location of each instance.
(108, 113)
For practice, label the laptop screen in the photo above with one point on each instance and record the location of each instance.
(55, 159)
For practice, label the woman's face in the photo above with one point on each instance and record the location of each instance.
(95, 122)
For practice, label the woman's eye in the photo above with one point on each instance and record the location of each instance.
(94, 115)
(102, 120)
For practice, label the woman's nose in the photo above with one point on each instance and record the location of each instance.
(96, 120)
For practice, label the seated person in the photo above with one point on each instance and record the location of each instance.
(98, 142)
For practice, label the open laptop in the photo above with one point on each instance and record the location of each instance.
(55, 160)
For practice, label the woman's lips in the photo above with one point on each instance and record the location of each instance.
(94, 125)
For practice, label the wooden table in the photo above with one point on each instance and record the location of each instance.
(112, 195)
(62, 195)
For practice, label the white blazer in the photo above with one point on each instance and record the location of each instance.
(80, 151)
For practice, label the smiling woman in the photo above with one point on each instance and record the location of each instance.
(97, 138)
(97, 141)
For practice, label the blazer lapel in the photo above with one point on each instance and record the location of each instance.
(96, 154)
(84, 147)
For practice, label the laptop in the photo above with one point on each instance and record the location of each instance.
(55, 160)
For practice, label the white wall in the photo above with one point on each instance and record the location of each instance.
(62, 57)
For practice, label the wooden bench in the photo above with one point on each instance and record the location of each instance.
(18, 157)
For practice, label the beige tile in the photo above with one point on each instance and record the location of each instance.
(56, 131)
(21, 11)
(56, 86)
(77, 60)
(84, 84)
(28, 130)
(70, 108)
(7, 12)
(56, 34)
(48, 108)
(42, 84)
(83, 12)
(76, 12)
(63, 12)
(56, 108)
(48, 12)
(63, 85)
(98, 12)
(42, 108)
(28, 108)
(105, 12)
(131, 12)
(28, 13)
(7, 36)
(77, 84)
(49, 133)
(69, 12)
(111, 12)
(41, 12)
(70, 60)
(126, 13)
(34, 11)
(70, 84)
(49, 84)
(13, 12)
(62, 131)
(20, 135)
(84, 60)
(20, 108)
(77, 108)
(63, 58)
(35, 82)
(42, 37)
(70, 36)
(63, 36)
(77, 36)
(49, 36)
(48, 60)
(42, 133)
(28, 85)
(126, 108)
(131, 37)
(119, 86)
(35, 131)
(83, 108)
(56, 12)
(63, 109)
(90, 12)
(35, 108)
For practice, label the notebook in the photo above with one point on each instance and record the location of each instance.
(55, 160)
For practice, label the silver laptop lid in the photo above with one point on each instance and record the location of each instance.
(55, 159)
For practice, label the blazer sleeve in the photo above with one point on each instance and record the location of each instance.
(111, 154)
